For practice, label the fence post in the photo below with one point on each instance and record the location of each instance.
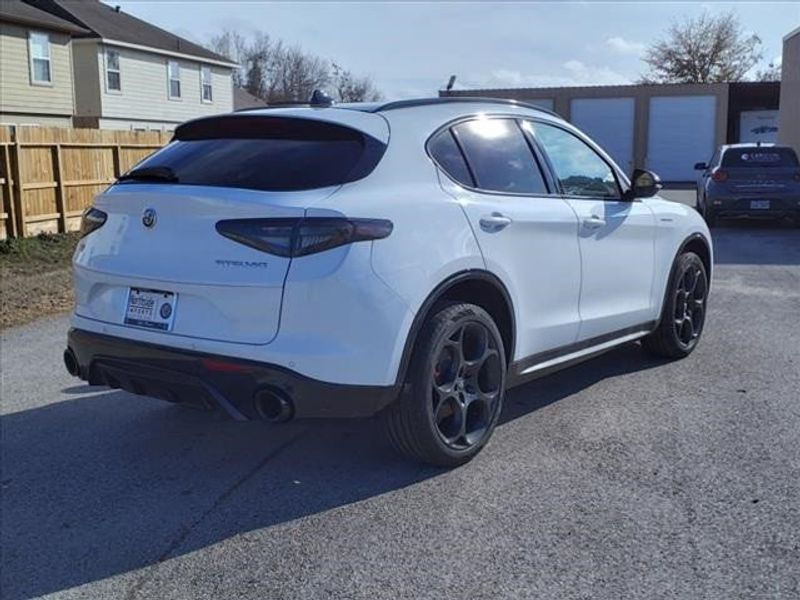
(17, 195)
(117, 166)
(61, 201)
(8, 199)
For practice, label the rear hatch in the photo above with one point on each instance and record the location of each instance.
(761, 170)
(160, 241)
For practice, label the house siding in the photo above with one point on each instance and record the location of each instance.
(19, 97)
(144, 95)
(87, 80)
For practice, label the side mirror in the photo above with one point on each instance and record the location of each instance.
(700, 166)
(644, 184)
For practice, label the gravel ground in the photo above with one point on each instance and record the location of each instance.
(624, 477)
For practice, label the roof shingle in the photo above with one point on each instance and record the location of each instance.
(17, 11)
(109, 23)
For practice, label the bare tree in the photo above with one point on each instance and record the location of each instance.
(705, 49)
(278, 73)
(772, 72)
(233, 46)
(349, 88)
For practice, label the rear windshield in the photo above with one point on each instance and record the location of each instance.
(759, 157)
(265, 153)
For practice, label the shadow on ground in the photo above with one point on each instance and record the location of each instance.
(108, 483)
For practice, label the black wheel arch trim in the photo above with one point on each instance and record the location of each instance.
(435, 296)
(681, 250)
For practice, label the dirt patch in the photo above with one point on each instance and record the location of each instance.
(35, 277)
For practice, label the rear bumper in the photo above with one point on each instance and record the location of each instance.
(779, 206)
(211, 381)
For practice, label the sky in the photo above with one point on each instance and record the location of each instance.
(410, 49)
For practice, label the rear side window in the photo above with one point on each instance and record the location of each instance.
(759, 157)
(445, 151)
(500, 157)
(267, 153)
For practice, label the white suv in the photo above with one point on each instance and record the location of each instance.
(413, 259)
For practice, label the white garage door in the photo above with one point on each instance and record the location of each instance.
(681, 133)
(609, 122)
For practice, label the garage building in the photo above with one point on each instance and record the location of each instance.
(663, 127)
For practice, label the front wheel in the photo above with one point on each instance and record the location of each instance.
(684, 313)
(454, 391)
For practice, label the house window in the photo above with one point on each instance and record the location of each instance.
(113, 79)
(205, 82)
(174, 71)
(39, 48)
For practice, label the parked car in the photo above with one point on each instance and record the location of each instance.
(413, 259)
(749, 180)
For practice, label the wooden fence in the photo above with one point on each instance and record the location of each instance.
(49, 175)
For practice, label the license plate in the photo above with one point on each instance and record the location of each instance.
(152, 309)
(759, 204)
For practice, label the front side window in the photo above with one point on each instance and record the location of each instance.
(113, 78)
(39, 47)
(579, 169)
(205, 82)
(174, 71)
(499, 156)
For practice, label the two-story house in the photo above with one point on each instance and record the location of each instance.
(131, 74)
(36, 78)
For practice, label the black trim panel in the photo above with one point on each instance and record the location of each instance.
(518, 366)
(208, 380)
(436, 295)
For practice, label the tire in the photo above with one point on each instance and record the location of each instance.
(454, 391)
(709, 216)
(684, 313)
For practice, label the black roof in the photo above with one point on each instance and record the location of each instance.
(107, 22)
(17, 11)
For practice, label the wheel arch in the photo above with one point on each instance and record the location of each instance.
(698, 244)
(474, 286)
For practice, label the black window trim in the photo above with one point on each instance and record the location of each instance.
(623, 185)
(544, 169)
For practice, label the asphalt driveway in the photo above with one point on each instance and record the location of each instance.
(624, 477)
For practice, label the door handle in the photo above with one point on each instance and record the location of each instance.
(594, 222)
(494, 222)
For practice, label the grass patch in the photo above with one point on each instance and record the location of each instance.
(41, 254)
(35, 277)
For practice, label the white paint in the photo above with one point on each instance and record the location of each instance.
(758, 126)
(344, 315)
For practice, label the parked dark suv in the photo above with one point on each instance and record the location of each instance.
(749, 180)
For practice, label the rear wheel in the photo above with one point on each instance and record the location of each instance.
(709, 215)
(454, 391)
(684, 313)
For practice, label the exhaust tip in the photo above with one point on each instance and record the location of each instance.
(273, 406)
(71, 363)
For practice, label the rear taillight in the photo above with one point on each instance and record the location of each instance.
(719, 175)
(92, 220)
(300, 237)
